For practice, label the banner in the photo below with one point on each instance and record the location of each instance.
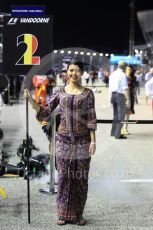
(27, 11)
(25, 41)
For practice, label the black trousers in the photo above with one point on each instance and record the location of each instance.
(119, 110)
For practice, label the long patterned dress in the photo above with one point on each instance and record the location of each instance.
(78, 117)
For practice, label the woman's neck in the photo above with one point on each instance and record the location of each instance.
(74, 85)
(72, 88)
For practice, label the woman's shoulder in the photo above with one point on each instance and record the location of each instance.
(88, 90)
(58, 89)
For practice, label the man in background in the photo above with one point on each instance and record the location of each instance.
(118, 87)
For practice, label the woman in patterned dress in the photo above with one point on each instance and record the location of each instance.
(75, 143)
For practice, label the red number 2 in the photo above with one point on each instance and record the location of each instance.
(32, 44)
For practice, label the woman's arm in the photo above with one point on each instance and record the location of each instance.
(34, 104)
(93, 136)
(43, 112)
(92, 147)
(91, 122)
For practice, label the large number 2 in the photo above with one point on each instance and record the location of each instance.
(32, 44)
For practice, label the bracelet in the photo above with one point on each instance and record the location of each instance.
(93, 143)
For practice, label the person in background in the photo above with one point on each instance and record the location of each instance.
(63, 76)
(118, 86)
(86, 77)
(130, 71)
(40, 83)
(75, 142)
(149, 90)
(92, 76)
(100, 74)
(106, 77)
(51, 82)
(148, 76)
(139, 76)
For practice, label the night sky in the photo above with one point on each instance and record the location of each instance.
(102, 28)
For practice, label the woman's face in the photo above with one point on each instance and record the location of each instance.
(128, 71)
(74, 73)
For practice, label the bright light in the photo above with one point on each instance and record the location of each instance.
(94, 54)
(136, 51)
(101, 54)
(62, 51)
(82, 53)
(149, 45)
(106, 55)
(76, 52)
(88, 54)
(69, 52)
(55, 51)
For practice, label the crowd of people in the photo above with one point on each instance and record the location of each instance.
(92, 76)
(124, 85)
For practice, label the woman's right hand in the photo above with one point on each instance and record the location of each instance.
(27, 94)
(35, 105)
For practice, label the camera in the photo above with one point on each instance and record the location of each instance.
(38, 165)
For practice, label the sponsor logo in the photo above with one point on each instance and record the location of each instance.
(12, 21)
(34, 20)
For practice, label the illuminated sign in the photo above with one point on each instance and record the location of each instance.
(134, 60)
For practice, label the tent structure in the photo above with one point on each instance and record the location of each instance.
(145, 19)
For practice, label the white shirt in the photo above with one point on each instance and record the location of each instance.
(85, 75)
(118, 81)
(149, 87)
(138, 76)
(148, 76)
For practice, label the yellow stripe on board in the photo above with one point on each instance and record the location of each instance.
(28, 53)
(10, 175)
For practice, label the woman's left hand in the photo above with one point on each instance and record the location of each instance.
(92, 149)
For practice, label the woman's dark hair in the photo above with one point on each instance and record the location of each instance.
(78, 63)
(133, 70)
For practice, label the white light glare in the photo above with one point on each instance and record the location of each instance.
(136, 51)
